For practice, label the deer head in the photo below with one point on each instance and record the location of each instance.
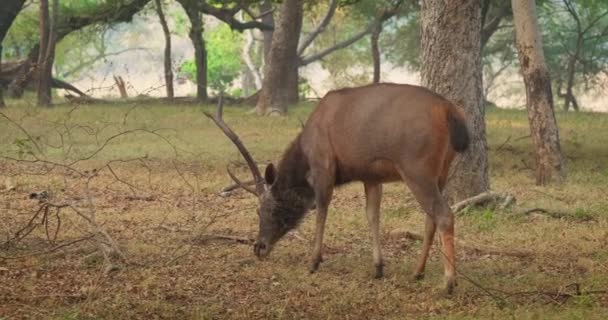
(280, 208)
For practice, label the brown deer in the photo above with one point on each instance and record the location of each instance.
(373, 134)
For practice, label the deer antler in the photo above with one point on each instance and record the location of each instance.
(255, 172)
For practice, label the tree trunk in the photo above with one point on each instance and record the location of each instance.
(167, 57)
(200, 53)
(571, 71)
(122, 87)
(376, 52)
(2, 104)
(269, 20)
(281, 72)
(252, 81)
(451, 66)
(539, 99)
(46, 53)
(8, 12)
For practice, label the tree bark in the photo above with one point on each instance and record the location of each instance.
(281, 73)
(451, 66)
(167, 56)
(8, 13)
(200, 53)
(376, 52)
(539, 100)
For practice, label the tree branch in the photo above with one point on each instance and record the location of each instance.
(227, 16)
(381, 18)
(320, 28)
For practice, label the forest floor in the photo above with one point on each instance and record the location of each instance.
(153, 176)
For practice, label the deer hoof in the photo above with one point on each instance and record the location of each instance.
(418, 276)
(379, 271)
(314, 265)
(450, 286)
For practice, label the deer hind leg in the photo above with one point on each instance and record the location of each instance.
(426, 191)
(373, 196)
(430, 226)
(429, 235)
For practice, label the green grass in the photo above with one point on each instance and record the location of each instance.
(174, 274)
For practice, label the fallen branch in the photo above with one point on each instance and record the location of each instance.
(483, 199)
(209, 237)
(557, 215)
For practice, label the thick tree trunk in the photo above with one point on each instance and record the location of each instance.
(46, 54)
(376, 52)
(281, 72)
(451, 66)
(8, 12)
(539, 99)
(167, 57)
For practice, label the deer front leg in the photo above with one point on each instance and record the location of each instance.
(317, 249)
(373, 196)
(323, 191)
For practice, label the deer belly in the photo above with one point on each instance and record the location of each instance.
(378, 171)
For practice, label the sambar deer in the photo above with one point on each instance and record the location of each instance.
(373, 134)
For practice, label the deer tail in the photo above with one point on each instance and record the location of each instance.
(459, 134)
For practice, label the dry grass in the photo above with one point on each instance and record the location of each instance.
(175, 272)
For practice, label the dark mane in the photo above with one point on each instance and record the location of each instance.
(293, 168)
(293, 194)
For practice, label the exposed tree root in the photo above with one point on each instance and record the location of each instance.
(484, 199)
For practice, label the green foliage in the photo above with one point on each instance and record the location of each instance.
(223, 58)
(22, 35)
(561, 33)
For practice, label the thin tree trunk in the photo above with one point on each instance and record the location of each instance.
(2, 103)
(46, 53)
(281, 72)
(539, 99)
(451, 66)
(200, 53)
(571, 71)
(267, 19)
(376, 52)
(167, 57)
(252, 81)
(122, 87)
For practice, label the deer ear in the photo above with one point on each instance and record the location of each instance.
(270, 174)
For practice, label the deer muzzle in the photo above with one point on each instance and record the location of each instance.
(261, 248)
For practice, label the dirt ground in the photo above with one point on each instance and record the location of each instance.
(187, 250)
